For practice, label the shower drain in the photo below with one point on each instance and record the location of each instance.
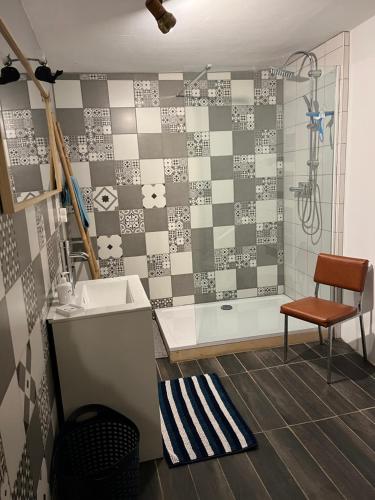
(226, 307)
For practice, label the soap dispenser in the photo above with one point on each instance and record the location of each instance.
(64, 290)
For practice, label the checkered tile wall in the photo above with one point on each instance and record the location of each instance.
(184, 191)
(29, 263)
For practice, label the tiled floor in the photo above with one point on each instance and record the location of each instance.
(315, 440)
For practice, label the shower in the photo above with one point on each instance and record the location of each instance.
(308, 193)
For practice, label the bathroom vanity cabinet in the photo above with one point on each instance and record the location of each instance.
(105, 355)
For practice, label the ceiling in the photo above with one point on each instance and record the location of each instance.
(122, 36)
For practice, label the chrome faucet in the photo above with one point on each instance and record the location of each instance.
(69, 259)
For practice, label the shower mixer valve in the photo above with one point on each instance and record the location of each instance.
(303, 189)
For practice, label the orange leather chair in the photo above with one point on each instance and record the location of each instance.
(341, 272)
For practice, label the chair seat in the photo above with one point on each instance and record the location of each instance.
(318, 311)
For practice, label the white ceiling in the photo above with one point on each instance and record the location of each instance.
(122, 36)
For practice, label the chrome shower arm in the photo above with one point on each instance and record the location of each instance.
(196, 79)
(310, 55)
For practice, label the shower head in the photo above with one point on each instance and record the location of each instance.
(314, 72)
(285, 73)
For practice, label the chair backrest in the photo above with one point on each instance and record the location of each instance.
(342, 272)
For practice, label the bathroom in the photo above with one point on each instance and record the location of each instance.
(177, 182)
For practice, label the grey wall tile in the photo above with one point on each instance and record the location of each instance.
(223, 214)
(202, 238)
(103, 173)
(156, 219)
(35, 447)
(182, 284)
(246, 278)
(129, 197)
(203, 260)
(134, 244)
(107, 223)
(221, 167)
(174, 145)
(71, 121)
(7, 362)
(244, 189)
(150, 146)
(123, 121)
(220, 117)
(177, 194)
(39, 282)
(95, 93)
(266, 255)
(22, 239)
(40, 124)
(27, 178)
(243, 142)
(120, 76)
(245, 235)
(15, 96)
(265, 117)
(168, 90)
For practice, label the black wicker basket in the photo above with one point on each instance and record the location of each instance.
(96, 456)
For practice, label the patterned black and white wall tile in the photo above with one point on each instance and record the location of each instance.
(29, 264)
(23, 123)
(185, 191)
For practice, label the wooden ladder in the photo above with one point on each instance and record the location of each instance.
(84, 232)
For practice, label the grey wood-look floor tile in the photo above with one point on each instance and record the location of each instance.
(292, 355)
(149, 482)
(306, 398)
(355, 450)
(341, 347)
(250, 361)
(240, 404)
(341, 471)
(370, 413)
(304, 351)
(280, 398)
(269, 358)
(189, 368)
(274, 474)
(357, 359)
(355, 374)
(230, 364)
(210, 481)
(257, 402)
(242, 477)
(212, 365)
(362, 426)
(327, 393)
(167, 369)
(322, 350)
(344, 386)
(305, 470)
(176, 482)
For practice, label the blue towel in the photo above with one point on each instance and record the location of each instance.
(81, 204)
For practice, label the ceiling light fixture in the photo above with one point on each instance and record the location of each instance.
(166, 21)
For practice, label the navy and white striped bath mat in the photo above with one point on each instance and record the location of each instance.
(199, 421)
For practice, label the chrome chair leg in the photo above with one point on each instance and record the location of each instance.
(364, 349)
(329, 359)
(285, 338)
(320, 335)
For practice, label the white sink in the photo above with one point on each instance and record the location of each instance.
(105, 296)
(103, 293)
